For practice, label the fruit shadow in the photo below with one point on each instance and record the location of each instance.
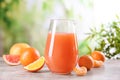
(43, 71)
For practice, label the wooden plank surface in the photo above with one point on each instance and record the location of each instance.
(110, 71)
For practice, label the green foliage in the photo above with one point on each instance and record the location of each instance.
(48, 5)
(18, 24)
(13, 31)
(87, 3)
(107, 39)
(84, 48)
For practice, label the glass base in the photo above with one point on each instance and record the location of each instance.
(61, 73)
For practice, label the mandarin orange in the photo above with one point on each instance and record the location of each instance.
(86, 61)
(97, 55)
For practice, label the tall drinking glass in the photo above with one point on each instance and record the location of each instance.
(61, 50)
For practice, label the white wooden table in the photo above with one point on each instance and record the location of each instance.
(110, 71)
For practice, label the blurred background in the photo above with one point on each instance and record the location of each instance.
(28, 20)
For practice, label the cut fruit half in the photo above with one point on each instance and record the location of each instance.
(12, 59)
(36, 65)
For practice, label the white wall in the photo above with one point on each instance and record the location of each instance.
(106, 10)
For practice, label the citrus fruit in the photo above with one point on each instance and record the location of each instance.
(12, 59)
(97, 63)
(29, 55)
(36, 65)
(17, 48)
(97, 55)
(86, 61)
(80, 71)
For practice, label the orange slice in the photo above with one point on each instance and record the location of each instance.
(36, 65)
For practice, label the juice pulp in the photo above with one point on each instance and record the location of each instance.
(61, 53)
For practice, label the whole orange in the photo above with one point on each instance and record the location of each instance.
(98, 55)
(29, 55)
(17, 48)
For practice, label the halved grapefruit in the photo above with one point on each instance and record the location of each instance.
(12, 59)
(36, 65)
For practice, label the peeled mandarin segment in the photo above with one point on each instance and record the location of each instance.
(97, 64)
(36, 65)
(80, 71)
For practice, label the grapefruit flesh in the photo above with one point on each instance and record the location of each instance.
(12, 59)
